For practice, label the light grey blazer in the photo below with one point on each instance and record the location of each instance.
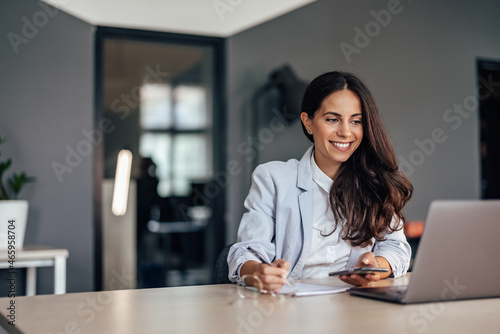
(278, 223)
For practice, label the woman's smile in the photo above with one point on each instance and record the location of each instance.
(341, 146)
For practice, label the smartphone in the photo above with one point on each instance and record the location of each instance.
(359, 271)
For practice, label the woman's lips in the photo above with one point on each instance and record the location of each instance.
(341, 146)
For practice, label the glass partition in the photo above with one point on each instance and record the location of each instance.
(160, 96)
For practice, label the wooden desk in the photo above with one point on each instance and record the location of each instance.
(33, 256)
(208, 309)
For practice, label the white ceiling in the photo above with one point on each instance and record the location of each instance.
(219, 18)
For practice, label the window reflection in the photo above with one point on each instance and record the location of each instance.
(191, 162)
(190, 107)
(158, 147)
(192, 152)
(156, 106)
(181, 157)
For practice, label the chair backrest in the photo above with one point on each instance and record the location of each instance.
(221, 271)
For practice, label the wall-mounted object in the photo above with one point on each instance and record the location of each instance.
(291, 90)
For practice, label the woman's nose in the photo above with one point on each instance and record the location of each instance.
(344, 130)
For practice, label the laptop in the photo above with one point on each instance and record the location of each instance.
(457, 256)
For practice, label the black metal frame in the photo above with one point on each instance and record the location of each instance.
(482, 65)
(218, 228)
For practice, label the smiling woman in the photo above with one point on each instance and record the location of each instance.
(337, 208)
(372, 167)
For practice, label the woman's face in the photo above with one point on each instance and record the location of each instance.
(337, 130)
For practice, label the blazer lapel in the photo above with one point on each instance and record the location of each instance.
(304, 182)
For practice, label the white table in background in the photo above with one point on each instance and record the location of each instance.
(34, 256)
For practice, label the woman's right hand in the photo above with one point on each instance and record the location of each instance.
(273, 276)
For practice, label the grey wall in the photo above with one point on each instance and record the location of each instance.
(46, 101)
(419, 65)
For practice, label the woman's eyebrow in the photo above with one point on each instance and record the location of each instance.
(339, 115)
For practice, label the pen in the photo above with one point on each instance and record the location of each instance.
(261, 259)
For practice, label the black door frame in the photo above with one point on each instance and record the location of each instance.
(486, 86)
(217, 228)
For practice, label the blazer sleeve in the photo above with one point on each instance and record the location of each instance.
(257, 226)
(396, 250)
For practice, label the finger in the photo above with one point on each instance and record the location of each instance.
(359, 279)
(269, 274)
(347, 279)
(372, 277)
(280, 263)
(272, 284)
(265, 282)
(367, 258)
(263, 286)
(354, 279)
(284, 265)
(272, 279)
(273, 270)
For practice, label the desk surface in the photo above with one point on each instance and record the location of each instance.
(35, 252)
(217, 309)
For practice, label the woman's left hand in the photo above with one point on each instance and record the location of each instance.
(365, 260)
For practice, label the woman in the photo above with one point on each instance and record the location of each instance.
(337, 208)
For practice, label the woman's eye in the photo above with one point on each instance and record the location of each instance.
(356, 122)
(331, 120)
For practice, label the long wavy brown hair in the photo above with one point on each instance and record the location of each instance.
(369, 190)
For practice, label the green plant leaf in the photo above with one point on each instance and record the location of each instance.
(17, 182)
(4, 165)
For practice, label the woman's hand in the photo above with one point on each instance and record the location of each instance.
(273, 276)
(368, 259)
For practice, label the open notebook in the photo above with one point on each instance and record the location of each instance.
(302, 289)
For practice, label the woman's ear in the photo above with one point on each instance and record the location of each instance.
(304, 117)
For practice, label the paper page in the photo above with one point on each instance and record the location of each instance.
(302, 289)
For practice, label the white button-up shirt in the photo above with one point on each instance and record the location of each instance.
(328, 253)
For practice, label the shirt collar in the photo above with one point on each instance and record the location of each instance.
(319, 177)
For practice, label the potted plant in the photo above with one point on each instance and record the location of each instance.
(13, 212)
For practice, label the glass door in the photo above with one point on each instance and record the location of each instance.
(158, 97)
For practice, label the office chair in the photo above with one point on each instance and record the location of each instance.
(221, 269)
